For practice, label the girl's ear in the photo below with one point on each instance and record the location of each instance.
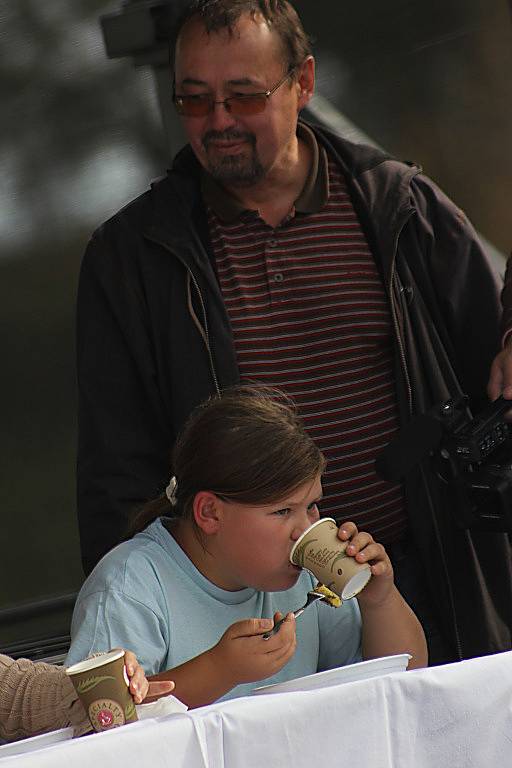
(207, 512)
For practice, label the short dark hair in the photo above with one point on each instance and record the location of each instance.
(280, 15)
(247, 445)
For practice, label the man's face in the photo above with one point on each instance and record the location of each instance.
(238, 151)
(253, 543)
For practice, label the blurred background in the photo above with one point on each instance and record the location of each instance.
(87, 124)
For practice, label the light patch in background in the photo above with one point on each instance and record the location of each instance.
(80, 133)
(81, 51)
(100, 185)
(15, 210)
(83, 194)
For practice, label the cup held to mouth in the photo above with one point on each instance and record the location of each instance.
(320, 551)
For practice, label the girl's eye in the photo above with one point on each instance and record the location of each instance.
(281, 512)
(313, 506)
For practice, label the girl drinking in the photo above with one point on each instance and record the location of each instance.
(208, 571)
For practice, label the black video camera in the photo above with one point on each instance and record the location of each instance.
(473, 456)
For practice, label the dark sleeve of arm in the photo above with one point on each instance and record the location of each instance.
(464, 284)
(123, 435)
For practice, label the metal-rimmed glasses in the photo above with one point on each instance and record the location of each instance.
(201, 104)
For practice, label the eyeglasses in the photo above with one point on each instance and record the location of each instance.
(201, 104)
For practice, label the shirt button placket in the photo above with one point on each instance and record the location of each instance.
(275, 277)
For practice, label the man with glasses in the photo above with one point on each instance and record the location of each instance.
(275, 251)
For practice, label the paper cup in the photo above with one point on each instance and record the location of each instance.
(320, 551)
(102, 686)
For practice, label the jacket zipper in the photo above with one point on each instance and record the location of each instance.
(206, 331)
(206, 337)
(394, 311)
(403, 361)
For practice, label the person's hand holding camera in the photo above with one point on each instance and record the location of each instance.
(500, 378)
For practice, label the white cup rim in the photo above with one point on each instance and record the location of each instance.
(313, 525)
(95, 661)
(357, 583)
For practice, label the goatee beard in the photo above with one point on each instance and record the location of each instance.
(237, 170)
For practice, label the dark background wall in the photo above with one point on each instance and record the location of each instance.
(431, 82)
(81, 135)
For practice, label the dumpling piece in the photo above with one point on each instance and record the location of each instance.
(331, 598)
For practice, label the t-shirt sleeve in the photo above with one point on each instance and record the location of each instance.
(340, 635)
(111, 619)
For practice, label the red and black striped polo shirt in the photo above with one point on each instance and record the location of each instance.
(309, 315)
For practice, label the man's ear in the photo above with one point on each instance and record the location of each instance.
(207, 512)
(306, 81)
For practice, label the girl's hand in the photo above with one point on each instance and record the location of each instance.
(140, 687)
(246, 657)
(364, 549)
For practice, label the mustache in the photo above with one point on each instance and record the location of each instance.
(228, 135)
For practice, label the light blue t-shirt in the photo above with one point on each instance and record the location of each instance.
(148, 596)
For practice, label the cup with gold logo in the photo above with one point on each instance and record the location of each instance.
(103, 688)
(321, 552)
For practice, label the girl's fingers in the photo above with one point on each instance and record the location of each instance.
(285, 633)
(143, 690)
(359, 542)
(372, 552)
(347, 530)
(364, 549)
(284, 654)
(130, 662)
(287, 641)
(139, 685)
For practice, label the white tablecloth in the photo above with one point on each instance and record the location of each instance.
(456, 716)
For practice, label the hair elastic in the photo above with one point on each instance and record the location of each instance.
(170, 491)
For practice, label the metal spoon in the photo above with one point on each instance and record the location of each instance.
(312, 598)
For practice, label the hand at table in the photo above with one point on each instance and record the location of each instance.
(140, 687)
(364, 549)
(246, 657)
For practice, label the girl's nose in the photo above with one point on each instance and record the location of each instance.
(310, 517)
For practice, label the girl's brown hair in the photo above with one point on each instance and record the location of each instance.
(249, 445)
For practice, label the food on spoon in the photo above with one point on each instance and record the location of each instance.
(331, 598)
